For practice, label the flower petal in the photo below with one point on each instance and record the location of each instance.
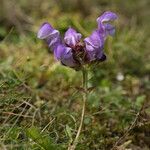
(72, 37)
(94, 45)
(45, 30)
(59, 51)
(51, 35)
(104, 27)
(110, 29)
(107, 16)
(64, 54)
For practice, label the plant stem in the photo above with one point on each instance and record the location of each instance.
(85, 87)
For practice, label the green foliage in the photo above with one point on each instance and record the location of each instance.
(43, 140)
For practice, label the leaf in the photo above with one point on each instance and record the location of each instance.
(44, 141)
(68, 130)
(87, 120)
(139, 100)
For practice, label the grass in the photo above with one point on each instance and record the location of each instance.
(40, 100)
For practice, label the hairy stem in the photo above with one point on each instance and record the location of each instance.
(85, 87)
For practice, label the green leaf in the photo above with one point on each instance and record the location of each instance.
(68, 130)
(139, 100)
(44, 141)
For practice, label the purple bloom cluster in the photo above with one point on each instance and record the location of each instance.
(73, 52)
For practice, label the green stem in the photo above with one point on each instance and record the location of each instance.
(85, 87)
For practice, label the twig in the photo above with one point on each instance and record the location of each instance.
(47, 125)
(11, 113)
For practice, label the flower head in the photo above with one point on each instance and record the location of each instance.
(104, 27)
(73, 52)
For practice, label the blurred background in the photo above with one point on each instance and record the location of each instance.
(35, 90)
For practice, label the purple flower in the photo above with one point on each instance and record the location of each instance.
(48, 33)
(72, 37)
(95, 42)
(71, 51)
(104, 27)
(64, 54)
(94, 46)
(54, 41)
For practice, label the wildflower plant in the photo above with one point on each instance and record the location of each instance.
(78, 54)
